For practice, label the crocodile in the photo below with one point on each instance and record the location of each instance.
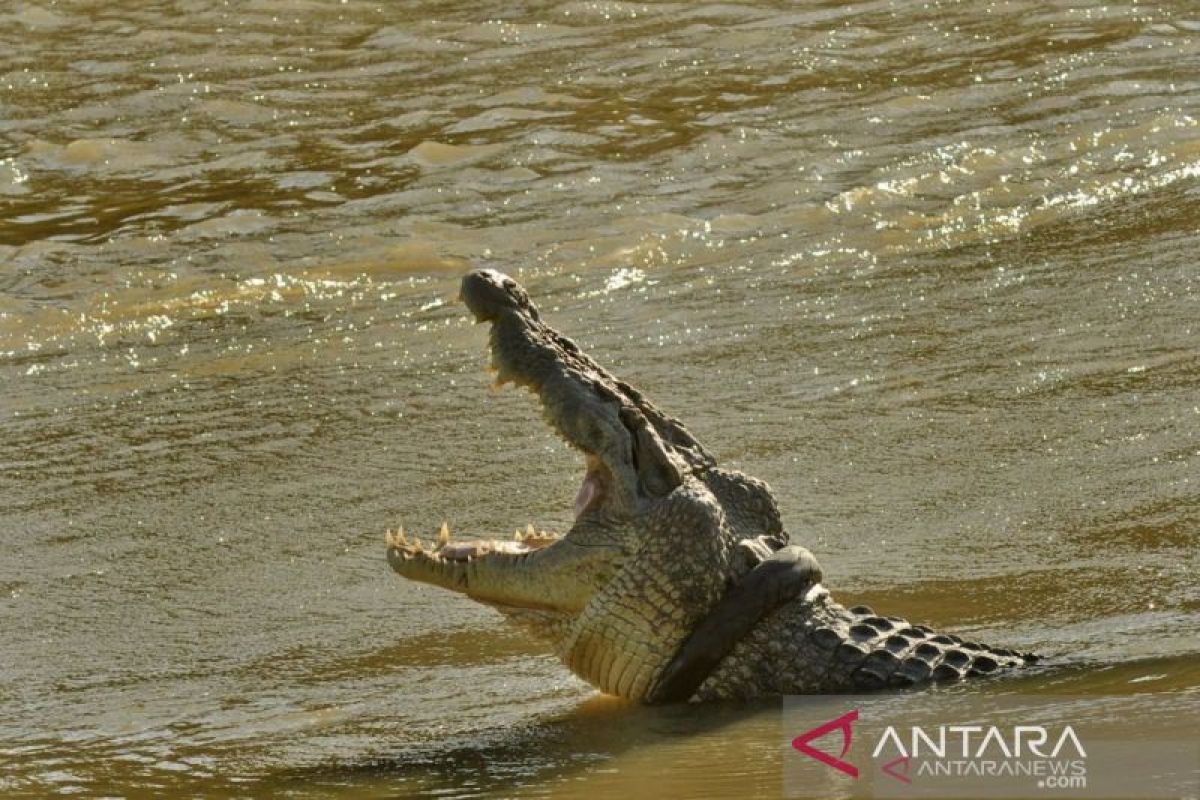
(676, 581)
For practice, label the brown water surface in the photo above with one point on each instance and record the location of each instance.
(928, 268)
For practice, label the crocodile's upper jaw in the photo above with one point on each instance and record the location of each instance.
(527, 353)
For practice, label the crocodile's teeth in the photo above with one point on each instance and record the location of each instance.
(444, 534)
(400, 535)
(530, 533)
(517, 536)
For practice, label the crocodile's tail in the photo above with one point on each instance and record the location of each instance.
(877, 652)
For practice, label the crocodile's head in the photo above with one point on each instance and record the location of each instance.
(660, 531)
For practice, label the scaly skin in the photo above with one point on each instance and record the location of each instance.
(661, 535)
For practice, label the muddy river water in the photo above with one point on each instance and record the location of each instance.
(928, 268)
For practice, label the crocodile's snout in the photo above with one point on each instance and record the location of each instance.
(489, 293)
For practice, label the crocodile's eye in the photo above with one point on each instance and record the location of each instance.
(519, 296)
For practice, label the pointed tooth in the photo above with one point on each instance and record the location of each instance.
(530, 533)
(400, 535)
(517, 536)
(444, 534)
(389, 537)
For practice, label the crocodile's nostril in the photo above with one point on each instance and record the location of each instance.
(488, 293)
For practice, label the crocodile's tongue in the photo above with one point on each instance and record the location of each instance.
(588, 491)
(592, 487)
(459, 551)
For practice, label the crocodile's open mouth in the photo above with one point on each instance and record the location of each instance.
(510, 363)
(443, 550)
(446, 550)
(449, 551)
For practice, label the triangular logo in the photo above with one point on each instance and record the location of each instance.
(898, 768)
(842, 724)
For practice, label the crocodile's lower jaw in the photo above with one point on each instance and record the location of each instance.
(450, 563)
